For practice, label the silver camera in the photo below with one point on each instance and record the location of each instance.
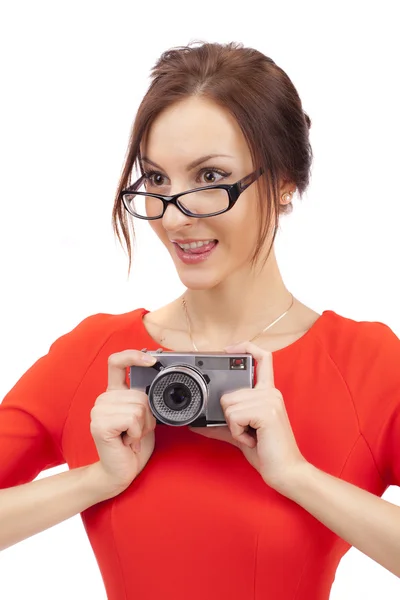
(186, 388)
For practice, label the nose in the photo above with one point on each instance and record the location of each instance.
(174, 219)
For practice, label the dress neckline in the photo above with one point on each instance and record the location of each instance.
(308, 336)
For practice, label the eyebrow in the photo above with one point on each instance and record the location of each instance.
(191, 165)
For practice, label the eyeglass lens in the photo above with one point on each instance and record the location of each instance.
(202, 202)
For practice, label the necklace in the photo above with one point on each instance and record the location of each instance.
(253, 338)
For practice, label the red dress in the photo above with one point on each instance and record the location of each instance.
(199, 522)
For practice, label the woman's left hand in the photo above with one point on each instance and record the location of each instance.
(271, 447)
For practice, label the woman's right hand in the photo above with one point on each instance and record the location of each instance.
(122, 425)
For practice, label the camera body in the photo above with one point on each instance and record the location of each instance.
(186, 388)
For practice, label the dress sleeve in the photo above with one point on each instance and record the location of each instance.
(33, 413)
(379, 406)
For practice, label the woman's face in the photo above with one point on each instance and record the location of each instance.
(186, 132)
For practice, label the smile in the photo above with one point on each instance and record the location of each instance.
(195, 252)
(194, 245)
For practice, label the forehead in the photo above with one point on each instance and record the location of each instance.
(191, 128)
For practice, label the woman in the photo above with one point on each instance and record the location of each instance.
(268, 504)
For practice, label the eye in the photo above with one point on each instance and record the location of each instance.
(154, 178)
(210, 176)
(205, 177)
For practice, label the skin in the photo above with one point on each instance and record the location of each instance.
(121, 423)
(184, 132)
(190, 129)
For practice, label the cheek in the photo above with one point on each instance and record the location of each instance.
(244, 233)
(243, 225)
(158, 229)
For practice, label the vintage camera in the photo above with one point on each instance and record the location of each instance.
(186, 388)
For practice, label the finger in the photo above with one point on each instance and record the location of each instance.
(118, 362)
(107, 429)
(135, 432)
(127, 397)
(240, 426)
(221, 433)
(147, 423)
(141, 414)
(265, 370)
(242, 436)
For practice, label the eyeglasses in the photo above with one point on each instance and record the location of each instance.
(199, 203)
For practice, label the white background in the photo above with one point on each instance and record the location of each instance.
(72, 76)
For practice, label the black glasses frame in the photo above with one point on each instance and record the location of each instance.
(234, 190)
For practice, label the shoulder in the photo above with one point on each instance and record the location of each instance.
(366, 353)
(95, 330)
(108, 323)
(362, 338)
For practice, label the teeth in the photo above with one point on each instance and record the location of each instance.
(195, 244)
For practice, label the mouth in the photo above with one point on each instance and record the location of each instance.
(195, 251)
(196, 246)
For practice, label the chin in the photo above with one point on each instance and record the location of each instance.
(195, 279)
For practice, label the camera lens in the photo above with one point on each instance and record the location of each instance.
(177, 396)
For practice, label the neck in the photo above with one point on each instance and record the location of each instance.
(240, 307)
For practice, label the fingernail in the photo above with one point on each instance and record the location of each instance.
(136, 447)
(231, 346)
(148, 359)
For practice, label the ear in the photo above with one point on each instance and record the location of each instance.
(286, 192)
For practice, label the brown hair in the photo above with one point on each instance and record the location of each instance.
(257, 93)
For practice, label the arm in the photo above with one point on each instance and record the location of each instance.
(33, 507)
(34, 411)
(367, 522)
(32, 417)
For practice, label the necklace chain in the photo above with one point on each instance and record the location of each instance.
(253, 338)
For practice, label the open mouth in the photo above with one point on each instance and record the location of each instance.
(194, 252)
(198, 247)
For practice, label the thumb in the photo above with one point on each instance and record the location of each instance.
(220, 432)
